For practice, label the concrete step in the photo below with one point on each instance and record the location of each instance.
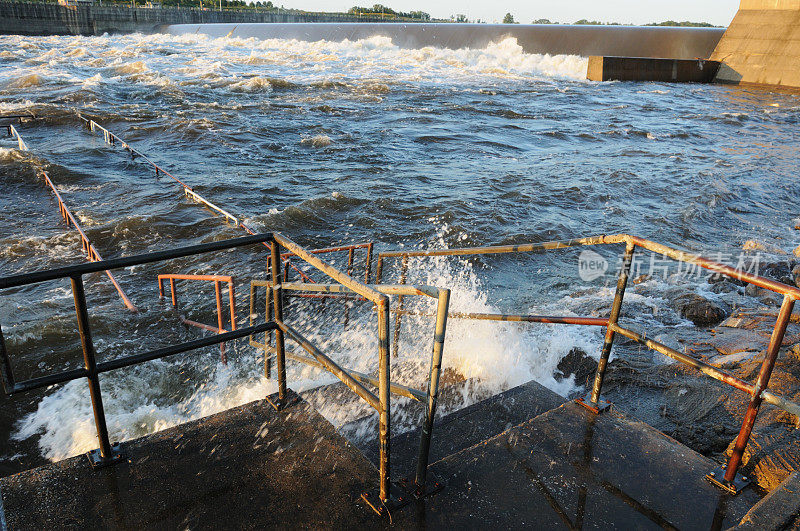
(460, 429)
(243, 468)
(516, 460)
(569, 468)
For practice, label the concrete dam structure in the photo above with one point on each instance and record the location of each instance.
(762, 45)
(681, 43)
(29, 18)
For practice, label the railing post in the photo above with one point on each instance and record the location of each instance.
(277, 306)
(172, 292)
(379, 270)
(433, 389)
(218, 292)
(729, 480)
(622, 282)
(400, 305)
(384, 431)
(368, 265)
(106, 454)
(232, 302)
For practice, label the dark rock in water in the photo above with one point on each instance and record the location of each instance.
(767, 297)
(796, 275)
(719, 278)
(780, 271)
(698, 309)
(579, 363)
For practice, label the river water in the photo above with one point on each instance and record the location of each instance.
(348, 142)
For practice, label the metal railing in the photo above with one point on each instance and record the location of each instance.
(114, 140)
(379, 296)
(217, 280)
(88, 247)
(108, 453)
(726, 477)
(375, 294)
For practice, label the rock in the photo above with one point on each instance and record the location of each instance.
(767, 297)
(728, 341)
(754, 245)
(771, 455)
(796, 251)
(577, 363)
(641, 278)
(794, 352)
(780, 271)
(698, 309)
(796, 275)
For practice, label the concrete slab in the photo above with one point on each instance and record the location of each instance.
(468, 426)
(571, 469)
(252, 467)
(249, 467)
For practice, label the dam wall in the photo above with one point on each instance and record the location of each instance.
(762, 45)
(29, 18)
(657, 42)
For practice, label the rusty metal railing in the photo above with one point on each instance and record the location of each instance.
(725, 477)
(357, 382)
(379, 296)
(107, 453)
(217, 280)
(88, 247)
(113, 140)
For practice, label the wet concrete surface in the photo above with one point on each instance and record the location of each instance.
(251, 467)
(467, 427)
(569, 469)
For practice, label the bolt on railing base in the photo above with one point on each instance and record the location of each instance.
(97, 461)
(275, 401)
(595, 408)
(717, 477)
(432, 485)
(398, 498)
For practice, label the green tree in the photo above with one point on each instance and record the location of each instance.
(509, 19)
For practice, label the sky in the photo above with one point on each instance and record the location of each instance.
(718, 12)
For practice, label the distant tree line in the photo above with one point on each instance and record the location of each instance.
(585, 22)
(380, 9)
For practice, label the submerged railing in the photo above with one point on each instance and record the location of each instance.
(190, 193)
(725, 477)
(89, 248)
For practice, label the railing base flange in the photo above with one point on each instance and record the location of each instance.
(717, 477)
(278, 404)
(432, 485)
(597, 408)
(398, 498)
(97, 461)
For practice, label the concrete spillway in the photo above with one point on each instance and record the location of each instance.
(677, 43)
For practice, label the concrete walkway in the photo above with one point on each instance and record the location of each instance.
(251, 467)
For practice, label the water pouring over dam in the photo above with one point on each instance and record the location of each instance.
(552, 39)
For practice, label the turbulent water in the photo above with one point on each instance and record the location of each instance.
(347, 142)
